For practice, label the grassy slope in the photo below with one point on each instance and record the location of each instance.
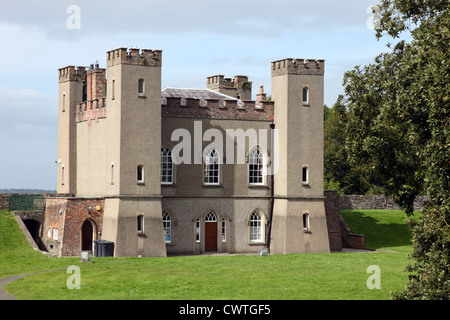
(299, 276)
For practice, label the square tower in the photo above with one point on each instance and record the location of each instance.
(299, 222)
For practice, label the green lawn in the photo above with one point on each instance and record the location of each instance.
(298, 276)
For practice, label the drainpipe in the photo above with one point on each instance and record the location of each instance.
(272, 148)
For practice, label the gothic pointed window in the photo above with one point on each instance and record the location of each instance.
(167, 226)
(305, 95)
(211, 167)
(256, 227)
(256, 167)
(166, 166)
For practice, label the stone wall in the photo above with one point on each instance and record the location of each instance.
(360, 202)
(4, 200)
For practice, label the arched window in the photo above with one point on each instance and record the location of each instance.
(166, 166)
(141, 87)
(140, 224)
(255, 227)
(167, 226)
(305, 95)
(305, 175)
(210, 217)
(211, 166)
(306, 222)
(256, 167)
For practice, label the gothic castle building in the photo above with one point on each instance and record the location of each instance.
(162, 171)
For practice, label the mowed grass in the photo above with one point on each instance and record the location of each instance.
(330, 276)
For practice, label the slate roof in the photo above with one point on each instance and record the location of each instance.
(201, 94)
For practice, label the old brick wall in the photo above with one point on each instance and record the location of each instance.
(67, 215)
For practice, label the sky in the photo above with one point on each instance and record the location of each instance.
(199, 38)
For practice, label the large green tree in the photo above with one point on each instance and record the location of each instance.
(398, 129)
(339, 174)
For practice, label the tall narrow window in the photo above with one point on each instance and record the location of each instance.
(112, 173)
(141, 87)
(211, 167)
(197, 230)
(305, 95)
(305, 175)
(140, 224)
(140, 174)
(113, 90)
(166, 166)
(256, 167)
(306, 222)
(255, 227)
(167, 226)
(62, 174)
(224, 230)
(64, 102)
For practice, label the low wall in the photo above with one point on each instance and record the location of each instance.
(4, 198)
(360, 202)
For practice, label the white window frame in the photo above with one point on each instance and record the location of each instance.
(256, 159)
(167, 226)
(140, 223)
(224, 230)
(211, 158)
(211, 217)
(140, 171)
(305, 175)
(256, 227)
(306, 221)
(55, 234)
(166, 166)
(197, 230)
(305, 102)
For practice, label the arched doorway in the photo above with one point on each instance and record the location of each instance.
(34, 228)
(87, 235)
(211, 232)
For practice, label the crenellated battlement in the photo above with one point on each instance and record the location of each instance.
(133, 56)
(298, 66)
(72, 73)
(219, 81)
(91, 110)
(232, 109)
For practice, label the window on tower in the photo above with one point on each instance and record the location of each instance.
(140, 174)
(305, 95)
(141, 87)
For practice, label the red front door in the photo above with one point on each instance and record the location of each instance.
(210, 236)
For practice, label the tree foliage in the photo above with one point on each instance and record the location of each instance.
(398, 129)
(339, 173)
